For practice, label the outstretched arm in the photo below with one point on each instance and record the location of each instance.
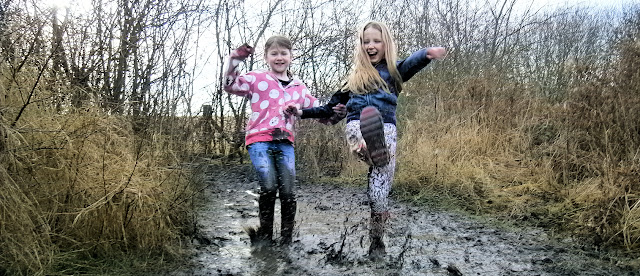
(418, 60)
(330, 113)
(232, 82)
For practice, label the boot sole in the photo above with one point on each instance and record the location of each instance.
(372, 129)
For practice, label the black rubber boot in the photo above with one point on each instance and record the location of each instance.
(288, 220)
(377, 249)
(266, 204)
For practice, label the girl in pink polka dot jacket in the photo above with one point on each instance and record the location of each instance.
(270, 132)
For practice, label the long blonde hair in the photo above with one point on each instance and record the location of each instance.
(364, 77)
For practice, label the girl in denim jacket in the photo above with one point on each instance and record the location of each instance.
(370, 95)
(270, 132)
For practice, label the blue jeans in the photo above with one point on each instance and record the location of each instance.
(275, 164)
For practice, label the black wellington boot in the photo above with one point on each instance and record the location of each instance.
(288, 220)
(266, 204)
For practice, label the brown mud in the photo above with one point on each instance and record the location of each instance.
(331, 238)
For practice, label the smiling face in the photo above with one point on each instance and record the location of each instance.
(278, 59)
(373, 45)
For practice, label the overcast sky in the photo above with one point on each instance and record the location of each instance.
(590, 3)
(202, 82)
(536, 3)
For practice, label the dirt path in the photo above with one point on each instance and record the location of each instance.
(331, 238)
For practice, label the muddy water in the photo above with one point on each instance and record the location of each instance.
(331, 238)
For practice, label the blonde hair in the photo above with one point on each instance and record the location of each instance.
(364, 77)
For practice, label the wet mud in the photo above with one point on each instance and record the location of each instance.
(331, 238)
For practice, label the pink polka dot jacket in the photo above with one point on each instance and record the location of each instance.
(268, 99)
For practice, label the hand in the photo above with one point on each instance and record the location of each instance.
(438, 53)
(340, 110)
(292, 110)
(245, 50)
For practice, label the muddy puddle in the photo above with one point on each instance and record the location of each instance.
(331, 238)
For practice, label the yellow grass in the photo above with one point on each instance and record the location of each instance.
(494, 147)
(79, 184)
(572, 166)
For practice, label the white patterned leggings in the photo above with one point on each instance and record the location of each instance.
(380, 178)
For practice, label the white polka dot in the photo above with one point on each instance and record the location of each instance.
(269, 77)
(235, 87)
(254, 116)
(274, 121)
(274, 93)
(255, 97)
(250, 78)
(287, 97)
(296, 96)
(263, 129)
(235, 62)
(304, 92)
(244, 87)
(252, 131)
(289, 126)
(264, 104)
(316, 104)
(281, 101)
(263, 85)
(307, 102)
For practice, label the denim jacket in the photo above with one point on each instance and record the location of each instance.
(385, 102)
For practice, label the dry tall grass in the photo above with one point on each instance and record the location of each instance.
(79, 185)
(569, 162)
(572, 165)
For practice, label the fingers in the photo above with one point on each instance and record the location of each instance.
(340, 110)
(438, 53)
(245, 50)
(292, 110)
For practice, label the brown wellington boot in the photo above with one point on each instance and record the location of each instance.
(376, 233)
(372, 129)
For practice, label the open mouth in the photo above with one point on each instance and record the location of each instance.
(373, 54)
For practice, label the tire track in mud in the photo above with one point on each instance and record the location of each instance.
(331, 238)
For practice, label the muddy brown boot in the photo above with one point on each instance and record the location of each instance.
(376, 233)
(372, 129)
(266, 204)
(288, 220)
